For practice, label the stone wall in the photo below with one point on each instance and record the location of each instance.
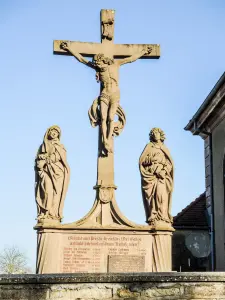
(136, 286)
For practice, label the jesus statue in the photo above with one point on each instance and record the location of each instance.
(107, 72)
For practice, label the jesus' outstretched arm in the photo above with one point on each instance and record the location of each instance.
(77, 55)
(130, 59)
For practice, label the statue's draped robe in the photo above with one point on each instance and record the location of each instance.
(52, 179)
(156, 191)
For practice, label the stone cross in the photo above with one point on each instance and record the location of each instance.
(107, 45)
(106, 106)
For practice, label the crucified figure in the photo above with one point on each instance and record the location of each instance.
(107, 72)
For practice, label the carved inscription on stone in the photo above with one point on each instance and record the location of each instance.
(126, 263)
(95, 253)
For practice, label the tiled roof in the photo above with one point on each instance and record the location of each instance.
(193, 216)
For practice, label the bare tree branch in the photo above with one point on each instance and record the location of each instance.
(13, 261)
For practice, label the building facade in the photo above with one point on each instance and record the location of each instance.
(209, 123)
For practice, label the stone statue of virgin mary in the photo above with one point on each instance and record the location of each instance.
(52, 175)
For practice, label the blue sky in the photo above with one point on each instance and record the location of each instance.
(39, 89)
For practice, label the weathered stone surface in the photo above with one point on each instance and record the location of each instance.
(126, 263)
(92, 251)
(137, 286)
(112, 278)
(161, 290)
(205, 290)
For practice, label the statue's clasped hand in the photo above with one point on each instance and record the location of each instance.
(46, 158)
(40, 164)
(42, 156)
(50, 158)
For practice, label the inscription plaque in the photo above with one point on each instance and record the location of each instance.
(99, 252)
(126, 263)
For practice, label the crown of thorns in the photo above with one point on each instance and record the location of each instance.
(102, 57)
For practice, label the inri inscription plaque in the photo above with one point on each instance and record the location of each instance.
(126, 263)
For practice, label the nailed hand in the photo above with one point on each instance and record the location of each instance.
(148, 50)
(64, 46)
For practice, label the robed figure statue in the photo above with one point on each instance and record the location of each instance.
(52, 175)
(156, 167)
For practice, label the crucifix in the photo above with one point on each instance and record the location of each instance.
(107, 59)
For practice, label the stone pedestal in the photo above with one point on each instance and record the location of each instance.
(93, 251)
(162, 251)
(77, 248)
(104, 241)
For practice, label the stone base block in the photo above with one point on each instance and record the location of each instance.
(102, 251)
(162, 252)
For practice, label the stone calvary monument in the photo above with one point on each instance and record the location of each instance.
(104, 240)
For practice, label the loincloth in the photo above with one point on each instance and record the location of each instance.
(110, 99)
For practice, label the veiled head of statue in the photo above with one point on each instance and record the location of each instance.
(156, 134)
(54, 132)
